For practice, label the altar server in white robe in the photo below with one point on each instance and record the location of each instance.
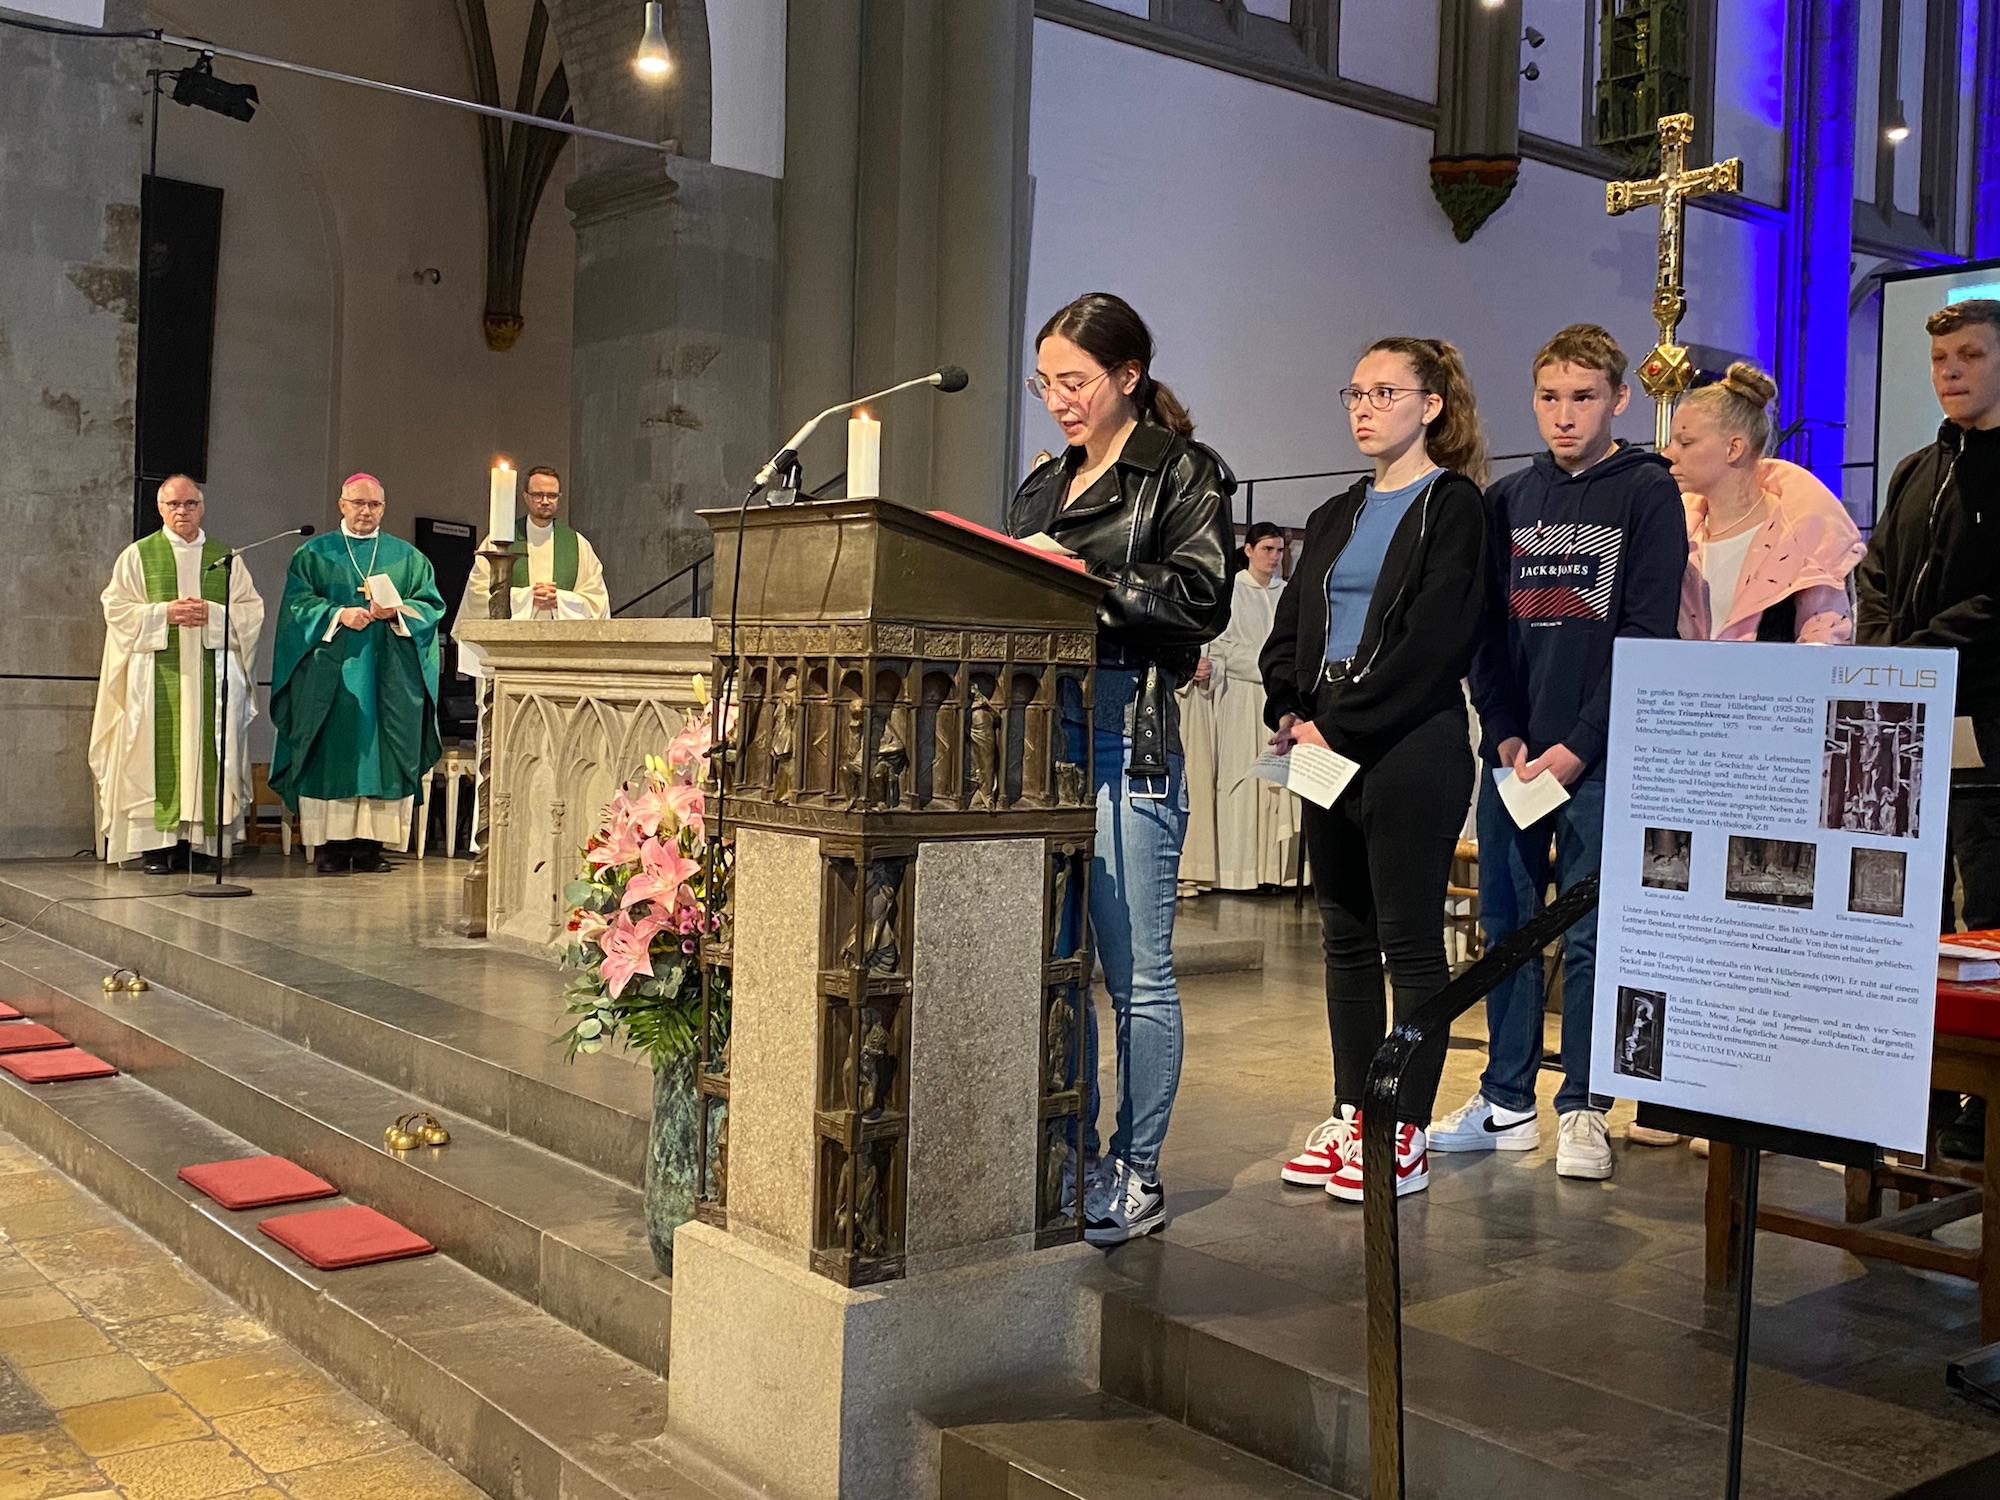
(153, 736)
(1256, 821)
(557, 575)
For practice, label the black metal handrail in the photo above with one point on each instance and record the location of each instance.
(1407, 1066)
(694, 598)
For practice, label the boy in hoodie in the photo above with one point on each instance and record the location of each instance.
(1586, 545)
(1931, 577)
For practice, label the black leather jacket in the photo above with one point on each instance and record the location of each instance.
(1156, 525)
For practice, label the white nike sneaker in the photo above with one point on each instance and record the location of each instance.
(1583, 1146)
(1480, 1125)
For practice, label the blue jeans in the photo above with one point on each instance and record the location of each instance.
(1133, 876)
(1513, 875)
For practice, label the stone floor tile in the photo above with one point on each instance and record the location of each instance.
(90, 1251)
(197, 1470)
(33, 1305)
(131, 1422)
(58, 1340)
(32, 1221)
(124, 1296)
(44, 1464)
(44, 1185)
(181, 1338)
(407, 1473)
(84, 1382)
(269, 1375)
(317, 1430)
(21, 1407)
(17, 1274)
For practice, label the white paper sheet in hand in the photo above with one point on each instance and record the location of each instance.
(1529, 801)
(1317, 775)
(382, 591)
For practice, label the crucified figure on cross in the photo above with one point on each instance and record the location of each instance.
(1665, 371)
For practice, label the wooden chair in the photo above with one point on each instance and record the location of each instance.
(1965, 1060)
(458, 763)
(255, 829)
(1461, 911)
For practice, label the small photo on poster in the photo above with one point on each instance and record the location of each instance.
(1871, 770)
(1666, 859)
(1875, 882)
(1770, 872)
(1642, 1017)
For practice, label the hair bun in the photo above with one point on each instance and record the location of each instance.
(1752, 384)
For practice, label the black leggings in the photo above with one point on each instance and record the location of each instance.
(1381, 858)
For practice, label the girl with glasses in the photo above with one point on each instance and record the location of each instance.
(1373, 634)
(1146, 508)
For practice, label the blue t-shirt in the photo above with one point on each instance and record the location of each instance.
(1350, 582)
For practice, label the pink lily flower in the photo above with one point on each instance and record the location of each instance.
(685, 801)
(628, 950)
(663, 874)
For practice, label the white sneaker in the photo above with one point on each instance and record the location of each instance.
(1316, 1164)
(1130, 1207)
(1480, 1125)
(1583, 1146)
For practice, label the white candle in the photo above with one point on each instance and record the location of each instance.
(864, 457)
(500, 503)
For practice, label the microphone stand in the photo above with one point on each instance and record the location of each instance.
(223, 654)
(226, 562)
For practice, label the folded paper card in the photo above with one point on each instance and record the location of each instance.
(1315, 774)
(1528, 802)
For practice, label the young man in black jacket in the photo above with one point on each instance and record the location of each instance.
(1587, 544)
(1931, 577)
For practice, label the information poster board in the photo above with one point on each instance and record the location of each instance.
(1774, 844)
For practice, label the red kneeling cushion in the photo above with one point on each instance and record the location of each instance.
(353, 1235)
(55, 1065)
(1962, 1009)
(8, 1013)
(30, 1036)
(256, 1182)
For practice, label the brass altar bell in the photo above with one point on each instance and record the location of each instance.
(129, 981)
(415, 1129)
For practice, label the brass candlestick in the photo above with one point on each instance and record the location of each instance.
(500, 584)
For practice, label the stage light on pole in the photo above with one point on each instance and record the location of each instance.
(653, 59)
(1897, 127)
(199, 87)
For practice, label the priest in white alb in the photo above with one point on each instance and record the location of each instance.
(153, 737)
(556, 572)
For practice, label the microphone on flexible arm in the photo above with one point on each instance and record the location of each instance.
(949, 379)
(276, 536)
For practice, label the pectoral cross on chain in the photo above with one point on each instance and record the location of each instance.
(1665, 372)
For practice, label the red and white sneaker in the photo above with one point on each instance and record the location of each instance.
(1315, 1166)
(1413, 1166)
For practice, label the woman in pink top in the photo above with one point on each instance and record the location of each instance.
(1770, 548)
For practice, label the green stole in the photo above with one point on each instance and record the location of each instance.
(565, 541)
(163, 586)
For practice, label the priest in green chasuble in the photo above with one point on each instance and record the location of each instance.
(153, 752)
(354, 683)
(557, 575)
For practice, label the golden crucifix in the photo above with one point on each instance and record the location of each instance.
(1665, 371)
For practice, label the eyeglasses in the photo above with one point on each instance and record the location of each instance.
(544, 494)
(180, 505)
(1068, 389)
(361, 504)
(1381, 397)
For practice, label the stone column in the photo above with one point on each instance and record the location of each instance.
(73, 114)
(1813, 291)
(905, 209)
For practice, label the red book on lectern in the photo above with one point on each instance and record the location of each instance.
(1074, 564)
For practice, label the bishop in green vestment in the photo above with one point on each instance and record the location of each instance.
(354, 684)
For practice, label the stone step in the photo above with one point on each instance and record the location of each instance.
(1095, 1447)
(565, 1238)
(524, 1406)
(1268, 1367)
(483, 1066)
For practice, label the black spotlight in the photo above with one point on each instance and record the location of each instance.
(200, 87)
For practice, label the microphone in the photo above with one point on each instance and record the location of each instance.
(949, 379)
(276, 536)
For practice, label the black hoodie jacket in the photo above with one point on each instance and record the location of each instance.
(1931, 576)
(1416, 638)
(1574, 561)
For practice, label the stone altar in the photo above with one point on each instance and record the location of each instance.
(577, 707)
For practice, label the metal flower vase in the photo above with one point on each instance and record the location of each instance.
(672, 1156)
